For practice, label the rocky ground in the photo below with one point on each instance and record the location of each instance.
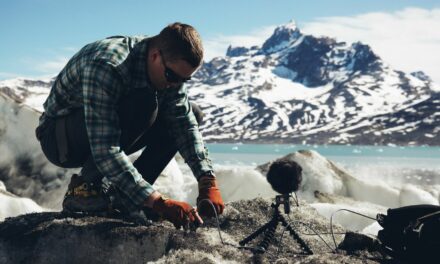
(54, 237)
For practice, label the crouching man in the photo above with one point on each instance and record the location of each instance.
(120, 95)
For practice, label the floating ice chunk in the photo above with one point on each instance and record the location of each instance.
(2, 186)
(173, 183)
(235, 183)
(411, 195)
(374, 191)
(12, 205)
(372, 229)
(357, 151)
(238, 183)
(349, 220)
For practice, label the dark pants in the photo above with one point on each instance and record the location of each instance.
(141, 126)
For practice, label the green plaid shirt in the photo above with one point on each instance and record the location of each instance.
(95, 79)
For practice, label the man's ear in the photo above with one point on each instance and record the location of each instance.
(154, 54)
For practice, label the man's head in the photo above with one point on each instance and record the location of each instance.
(174, 55)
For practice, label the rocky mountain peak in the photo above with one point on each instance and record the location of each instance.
(421, 76)
(282, 36)
(239, 51)
(363, 56)
(236, 51)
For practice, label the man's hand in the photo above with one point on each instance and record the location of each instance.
(178, 213)
(208, 189)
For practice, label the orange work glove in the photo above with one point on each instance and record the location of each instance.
(178, 213)
(208, 189)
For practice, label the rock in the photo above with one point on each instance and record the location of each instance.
(60, 238)
(236, 51)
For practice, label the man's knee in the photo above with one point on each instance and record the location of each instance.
(198, 113)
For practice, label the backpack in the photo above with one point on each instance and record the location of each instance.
(411, 233)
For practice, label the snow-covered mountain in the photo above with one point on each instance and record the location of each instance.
(299, 88)
(29, 92)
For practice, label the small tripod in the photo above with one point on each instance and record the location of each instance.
(270, 227)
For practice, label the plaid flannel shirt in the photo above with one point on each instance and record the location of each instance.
(95, 79)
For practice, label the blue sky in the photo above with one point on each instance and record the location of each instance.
(38, 37)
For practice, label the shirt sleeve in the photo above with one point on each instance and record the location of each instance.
(101, 92)
(184, 129)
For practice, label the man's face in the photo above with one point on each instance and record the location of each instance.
(165, 73)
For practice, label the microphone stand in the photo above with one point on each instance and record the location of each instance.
(270, 227)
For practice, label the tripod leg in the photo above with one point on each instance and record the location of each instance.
(256, 233)
(268, 236)
(295, 235)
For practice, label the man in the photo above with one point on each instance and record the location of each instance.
(115, 97)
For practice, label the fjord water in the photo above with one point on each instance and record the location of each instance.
(397, 164)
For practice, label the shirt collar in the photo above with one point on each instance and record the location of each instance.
(139, 66)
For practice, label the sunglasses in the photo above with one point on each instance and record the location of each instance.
(170, 75)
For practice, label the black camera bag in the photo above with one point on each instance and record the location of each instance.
(412, 233)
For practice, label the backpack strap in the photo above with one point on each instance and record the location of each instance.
(418, 225)
(61, 138)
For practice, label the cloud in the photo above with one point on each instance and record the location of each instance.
(38, 68)
(408, 39)
(49, 63)
(51, 66)
(217, 45)
(9, 75)
(12, 75)
(70, 49)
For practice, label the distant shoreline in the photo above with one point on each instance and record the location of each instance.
(319, 144)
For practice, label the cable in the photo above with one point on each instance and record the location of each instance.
(254, 248)
(300, 222)
(216, 216)
(218, 228)
(314, 231)
(296, 199)
(322, 233)
(281, 240)
(350, 211)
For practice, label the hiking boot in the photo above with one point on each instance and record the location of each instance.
(81, 197)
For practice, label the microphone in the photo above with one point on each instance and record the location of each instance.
(285, 177)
